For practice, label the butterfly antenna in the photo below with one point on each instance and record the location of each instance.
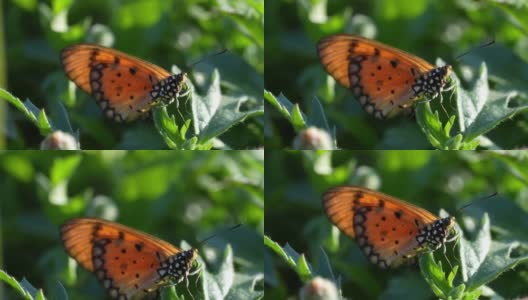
(471, 203)
(187, 287)
(475, 48)
(442, 105)
(179, 112)
(454, 249)
(198, 278)
(221, 231)
(187, 98)
(207, 57)
(445, 256)
(451, 88)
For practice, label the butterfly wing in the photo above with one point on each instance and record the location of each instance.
(125, 261)
(384, 79)
(384, 227)
(120, 83)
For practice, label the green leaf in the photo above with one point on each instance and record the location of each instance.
(29, 288)
(61, 120)
(325, 268)
(298, 120)
(36, 116)
(295, 260)
(11, 281)
(401, 136)
(229, 114)
(480, 110)
(214, 114)
(437, 134)
(318, 118)
(238, 76)
(61, 292)
(28, 5)
(63, 168)
(406, 285)
(244, 287)
(169, 293)
(61, 5)
(167, 127)
(433, 274)
(217, 286)
(205, 107)
(483, 260)
(40, 295)
(290, 111)
(249, 16)
(174, 136)
(507, 68)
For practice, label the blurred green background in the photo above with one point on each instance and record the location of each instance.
(166, 33)
(174, 196)
(428, 29)
(434, 180)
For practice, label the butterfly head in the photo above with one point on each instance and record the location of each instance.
(170, 88)
(434, 235)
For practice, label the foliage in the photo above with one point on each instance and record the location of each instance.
(184, 196)
(297, 118)
(224, 109)
(482, 262)
(482, 115)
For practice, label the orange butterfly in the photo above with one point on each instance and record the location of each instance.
(389, 231)
(125, 87)
(384, 79)
(127, 262)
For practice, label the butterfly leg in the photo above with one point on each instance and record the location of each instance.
(167, 285)
(195, 272)
(187, 286)
(444, 251)
(187, 95)
(454, 238)
(453, 88)
(423, 101)
(184, 94)
(442, 105)
(457, 240)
